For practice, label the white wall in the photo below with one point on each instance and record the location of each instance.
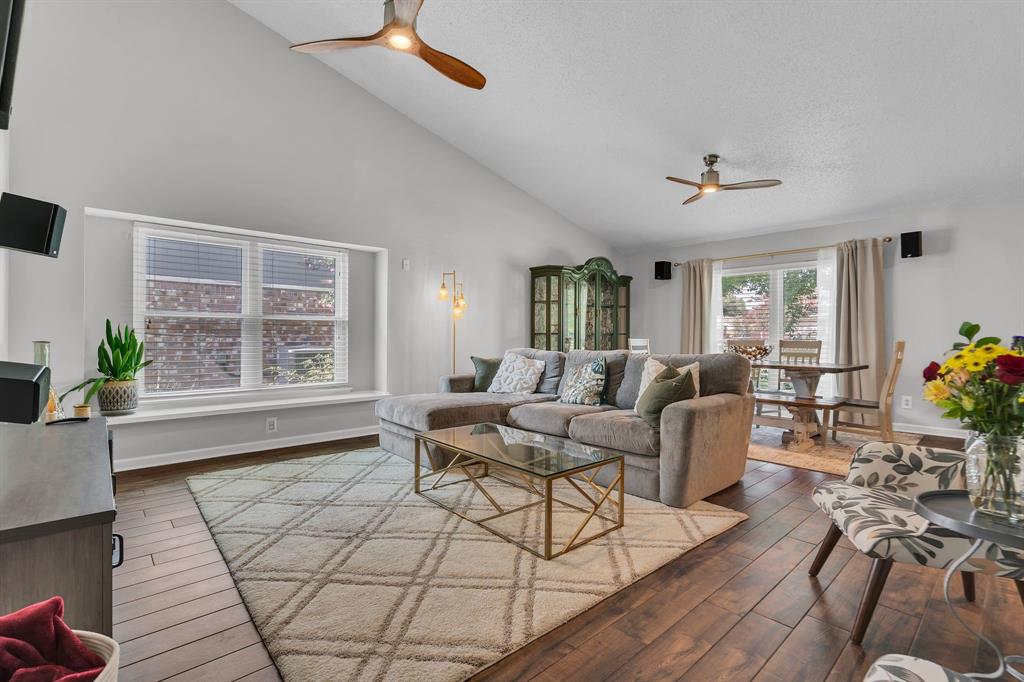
(194, 111)
(970, 270)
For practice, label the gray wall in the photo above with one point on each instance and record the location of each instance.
(970, 270)
(194, 111)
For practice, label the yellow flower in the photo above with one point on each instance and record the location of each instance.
(967, 402)
(934, 391)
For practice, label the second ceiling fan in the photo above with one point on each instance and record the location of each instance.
(399, 34)
(709, 181)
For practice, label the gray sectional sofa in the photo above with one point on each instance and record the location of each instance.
(700, 448)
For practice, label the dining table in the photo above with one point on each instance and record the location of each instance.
(804, 426)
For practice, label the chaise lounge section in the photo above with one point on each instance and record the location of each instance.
(700, 448)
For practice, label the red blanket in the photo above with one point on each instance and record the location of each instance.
(37, 646)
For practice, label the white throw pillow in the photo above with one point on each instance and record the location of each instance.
(517, 374)
(653, 368)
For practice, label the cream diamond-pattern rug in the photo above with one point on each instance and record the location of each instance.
(349, 575)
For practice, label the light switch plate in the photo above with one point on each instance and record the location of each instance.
(406, 265)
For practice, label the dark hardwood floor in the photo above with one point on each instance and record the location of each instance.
(739, 607)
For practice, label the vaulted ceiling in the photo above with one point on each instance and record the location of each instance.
(858, 107)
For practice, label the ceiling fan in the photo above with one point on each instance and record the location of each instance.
(709, 181)
(399, 34)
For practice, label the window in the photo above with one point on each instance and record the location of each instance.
(778, 301)
(221, 311)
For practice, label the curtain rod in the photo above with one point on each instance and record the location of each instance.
(768, 254)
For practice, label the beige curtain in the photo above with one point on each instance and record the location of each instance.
(696, 305)
(860, 317)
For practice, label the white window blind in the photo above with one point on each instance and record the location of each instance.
(791, 300)
(225, 312)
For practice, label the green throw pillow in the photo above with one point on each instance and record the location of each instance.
(484, 370)
(668, 387)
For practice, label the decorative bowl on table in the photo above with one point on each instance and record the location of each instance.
(752, 353)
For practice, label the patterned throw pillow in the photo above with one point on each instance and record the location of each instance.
(517, 374)
(653, 368)
(585, 383)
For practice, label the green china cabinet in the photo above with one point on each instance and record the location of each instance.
(584, 307)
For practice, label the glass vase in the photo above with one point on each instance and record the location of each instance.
(995, 480)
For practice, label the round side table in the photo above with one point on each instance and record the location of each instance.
(952, 509)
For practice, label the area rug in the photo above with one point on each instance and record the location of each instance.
(349, 575)
(831, 458)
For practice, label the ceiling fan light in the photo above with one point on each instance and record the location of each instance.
(399, 41)
(706, 189)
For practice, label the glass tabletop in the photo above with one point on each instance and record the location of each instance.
(536, 454)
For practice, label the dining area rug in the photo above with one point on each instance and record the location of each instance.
(827, 456)
(348, 574)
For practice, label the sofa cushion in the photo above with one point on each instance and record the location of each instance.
(554, 365)
(615, 360)
(551, 418)
(719, 373)
(427, 411)
(621, 430)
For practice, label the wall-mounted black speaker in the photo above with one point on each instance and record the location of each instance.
(662, 269)
(910, 244)
(30, 225)
(24, 392)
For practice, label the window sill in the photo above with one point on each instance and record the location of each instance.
(153, 413)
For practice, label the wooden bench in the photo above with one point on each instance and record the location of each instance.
(804, 424)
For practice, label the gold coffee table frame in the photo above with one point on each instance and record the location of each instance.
(465, 459)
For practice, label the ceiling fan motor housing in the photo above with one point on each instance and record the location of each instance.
(709, 177)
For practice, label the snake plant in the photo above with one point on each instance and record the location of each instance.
(118, 358)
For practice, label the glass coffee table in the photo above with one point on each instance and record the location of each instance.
(530, 462)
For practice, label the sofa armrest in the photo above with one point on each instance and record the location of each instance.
(704, 445)
(457, 383)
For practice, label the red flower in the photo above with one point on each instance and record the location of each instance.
(1010, 369)
(931, 372)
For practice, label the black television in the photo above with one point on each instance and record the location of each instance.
(11, 13)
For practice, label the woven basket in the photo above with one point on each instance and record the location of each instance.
(105, 648)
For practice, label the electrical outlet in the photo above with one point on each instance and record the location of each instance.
(906, 402)
(271, 424)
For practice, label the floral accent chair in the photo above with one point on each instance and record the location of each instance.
(873, 507)
(900, 668)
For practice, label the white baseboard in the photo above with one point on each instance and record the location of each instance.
(929, 430)
(160, 459)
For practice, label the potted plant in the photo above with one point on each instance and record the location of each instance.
(981, 384)
(119, 359)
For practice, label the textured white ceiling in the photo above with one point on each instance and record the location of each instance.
(858, 107)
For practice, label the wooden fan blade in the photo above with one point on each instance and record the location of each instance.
(691, 183)
(694, 198)
(457, 70)
(318, 46)
(406, 11)
(752, 184)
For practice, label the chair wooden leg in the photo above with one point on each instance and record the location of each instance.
(835, 426)
(968, 579)
(1020, 590)
(827, 545)
(876, 583)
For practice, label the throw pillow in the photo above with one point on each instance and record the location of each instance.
(585, 383)
(484, 370)
(653, 367)
(668, 387)
(516, 374)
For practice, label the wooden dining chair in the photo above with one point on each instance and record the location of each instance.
(881, 408)
(740, 341)
(797, 351)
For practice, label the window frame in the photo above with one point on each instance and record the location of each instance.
(776, 274)
(251, 310)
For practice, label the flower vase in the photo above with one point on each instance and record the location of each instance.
(995, 479)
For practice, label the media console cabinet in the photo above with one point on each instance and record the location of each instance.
(56, 516)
